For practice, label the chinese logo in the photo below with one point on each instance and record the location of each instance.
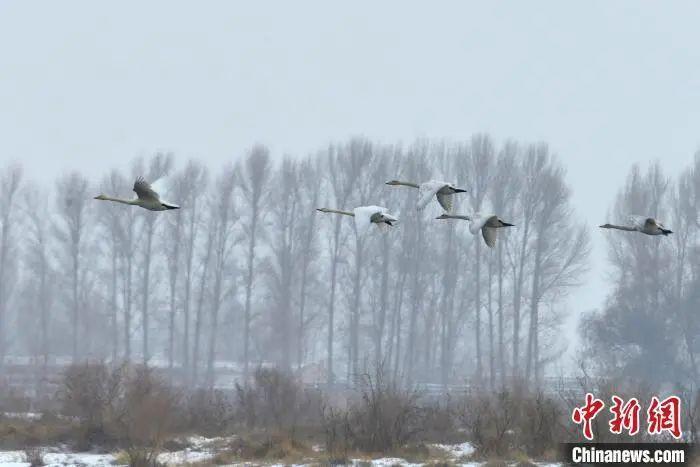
(663, 416)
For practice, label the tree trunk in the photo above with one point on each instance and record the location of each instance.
(146, 282)
(200, 305)
(248, 292)
(331, 303)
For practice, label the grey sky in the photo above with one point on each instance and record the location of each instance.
(89, 85)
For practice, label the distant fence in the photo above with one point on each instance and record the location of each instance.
(28, 374)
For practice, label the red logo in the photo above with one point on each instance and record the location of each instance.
(625, 416)
(587, 413)
(664, 416)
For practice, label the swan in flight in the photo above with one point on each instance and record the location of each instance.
(443, 191)
(146, 197)
(366, 215)
(643, 224)
(486, 223)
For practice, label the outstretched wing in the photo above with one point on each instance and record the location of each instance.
(144, 190)
(445, 201)
(638, 221)
(363, 217)
(489, 234)
(477, 222)
(426, 191)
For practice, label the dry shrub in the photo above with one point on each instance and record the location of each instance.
(35, 457)
(126, 406)
(275, 401)
(209, 412)
(383, 419)
(440, 423)
(146, 416)
(90, 393)
(503, 424)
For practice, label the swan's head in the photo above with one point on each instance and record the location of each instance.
(393, 182)
(101, 196)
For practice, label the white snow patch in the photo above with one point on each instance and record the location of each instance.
(23, 415)
(184, 456)
(78, 459)
(13, 459)
(385, 462)
(457, 450)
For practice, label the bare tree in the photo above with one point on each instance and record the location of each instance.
(71, 230)
(225, 217)
(253, 179)
(194, 179)
(160, 166)
(37, 259)
(10, 179)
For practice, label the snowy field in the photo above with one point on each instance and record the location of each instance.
(203, 450)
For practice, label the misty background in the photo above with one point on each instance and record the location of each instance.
(92, 88)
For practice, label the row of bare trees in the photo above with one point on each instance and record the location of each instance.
(648, 327)
(249, 272)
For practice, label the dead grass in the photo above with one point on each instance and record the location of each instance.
(278, 448)
(20, 434)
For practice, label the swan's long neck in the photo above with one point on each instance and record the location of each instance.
(411, 184)
(337, 211)
(618, 227)
(130, 202)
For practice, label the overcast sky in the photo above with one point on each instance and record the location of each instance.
(89, 85)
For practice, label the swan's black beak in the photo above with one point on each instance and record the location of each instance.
(666, 231)
(506, 224)
(460, 190)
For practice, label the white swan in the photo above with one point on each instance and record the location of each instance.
(443, 191)
(366, 215)
(486, 223)
(147, 198)
(643, 224)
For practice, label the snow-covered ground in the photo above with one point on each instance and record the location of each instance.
(78, 459)
(457, 451)
(203, 449)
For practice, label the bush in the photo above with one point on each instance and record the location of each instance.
(90, 393)
(503, 424)
(127, 406)
(275, 401)
(383, 419)
(208, 412)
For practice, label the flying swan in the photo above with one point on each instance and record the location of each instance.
(366, 215)
(486, 223)
(443, 191)
(147, 198)
(643, 224)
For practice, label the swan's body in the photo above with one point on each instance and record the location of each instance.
(487, 224)
(643, 224)
(443, 191)
(146, 197)
(366, 215)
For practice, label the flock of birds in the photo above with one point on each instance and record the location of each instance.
(147, 197)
